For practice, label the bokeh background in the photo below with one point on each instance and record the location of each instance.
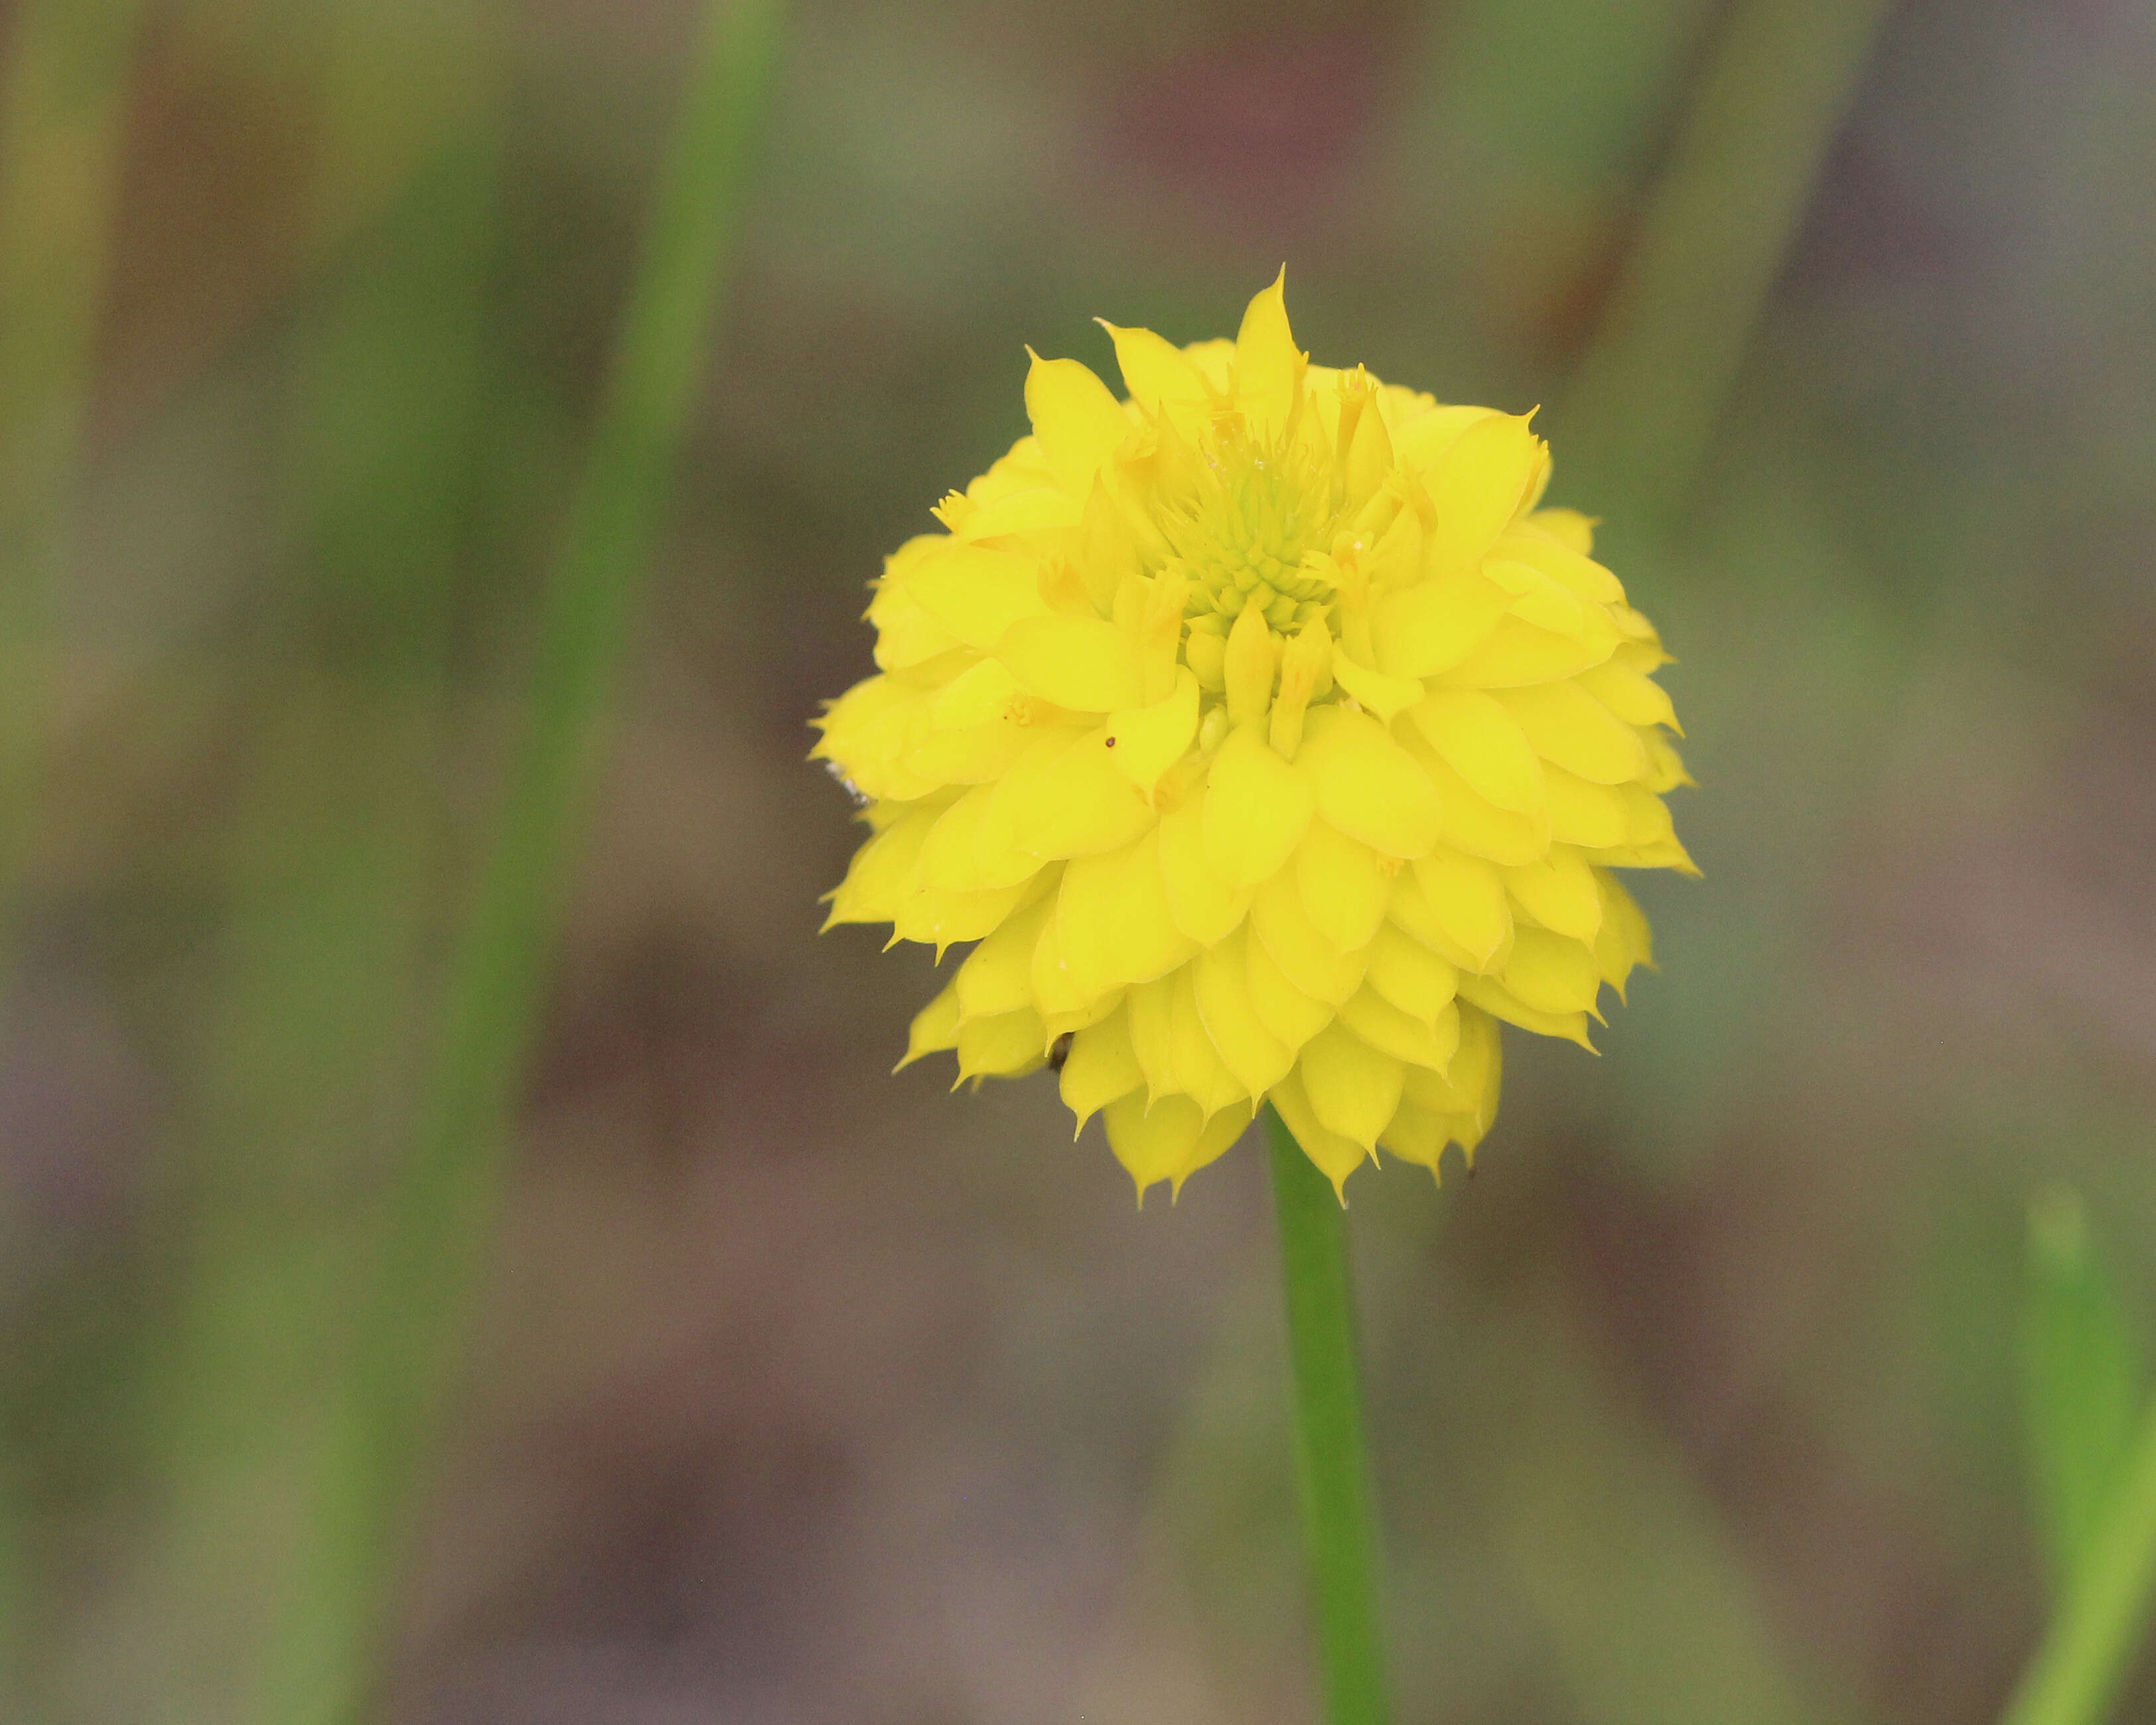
(797, 1392)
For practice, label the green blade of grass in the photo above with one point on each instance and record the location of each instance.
(447, 1192)
(1638, 418)
(2079, 1378)
(2101, 1623)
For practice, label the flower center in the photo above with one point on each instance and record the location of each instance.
(1258, 514)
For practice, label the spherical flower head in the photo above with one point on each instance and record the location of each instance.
(1271, 742)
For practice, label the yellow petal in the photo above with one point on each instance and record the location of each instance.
(1477, 826)
(1061, 1023)
(1206, 907)
(1352, 1088)
(949, 919)
(1494, 998)
(997, 976)
(976, 593)
(1220, 979)
(1518, 652)
(1587, 580)
(1570, 528)
(1592, 815)
(1305, 956)
(1571, 728)
(1007, 1046)
(1056, 994)
(1149, 740)
(1155, 370)
(1078, 422)
(983, 691)
(1085, 664)
(1288, 1014)
(1334, 1155)
(976, 755)
(1368, 459)
(1415, 1135)
(1248, 665)
(1560, 893)
(1020, 514)
(1464, 1099)
(1646, 816)
(1466, 895)
(956, 858)
(1423, 432)
(1411, 976)
(1343, 885)
(1624, 940)
(1366, 785)
(1150, 1009)
(1484, 744)
(1100, 1067)
(1632, 694)
(1153, 1144)
(1410, 913)
(934, 1027)
(1551, 973)
(881, 876)
(1477, 482)
(1112, 922)
(1269, 368)
(1073, 802)
(1256, 809)
(906, 635)
(1109, 552)
(1383, 694)
(1200, 1072)
(1400, 1035)
(1422, 630)
(1214, 1139)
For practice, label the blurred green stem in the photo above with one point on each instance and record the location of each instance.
(447, 1192)
(1331, 1469)
(2099, 1625)
(1639, 414)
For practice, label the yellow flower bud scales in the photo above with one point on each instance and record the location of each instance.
(1271, 741)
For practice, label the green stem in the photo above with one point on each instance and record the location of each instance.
(1332, 1469)
(2099, 1625)
(447, 1191)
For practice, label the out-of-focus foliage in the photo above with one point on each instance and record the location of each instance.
(801, 1392)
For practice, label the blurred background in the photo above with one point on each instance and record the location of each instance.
(801, 1393)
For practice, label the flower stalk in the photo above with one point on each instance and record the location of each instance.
(1330, 1466)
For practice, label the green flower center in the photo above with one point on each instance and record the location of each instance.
(1257, 515)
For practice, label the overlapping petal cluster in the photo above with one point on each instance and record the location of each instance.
(1271, 742)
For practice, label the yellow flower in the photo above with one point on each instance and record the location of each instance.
(1271, 742)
